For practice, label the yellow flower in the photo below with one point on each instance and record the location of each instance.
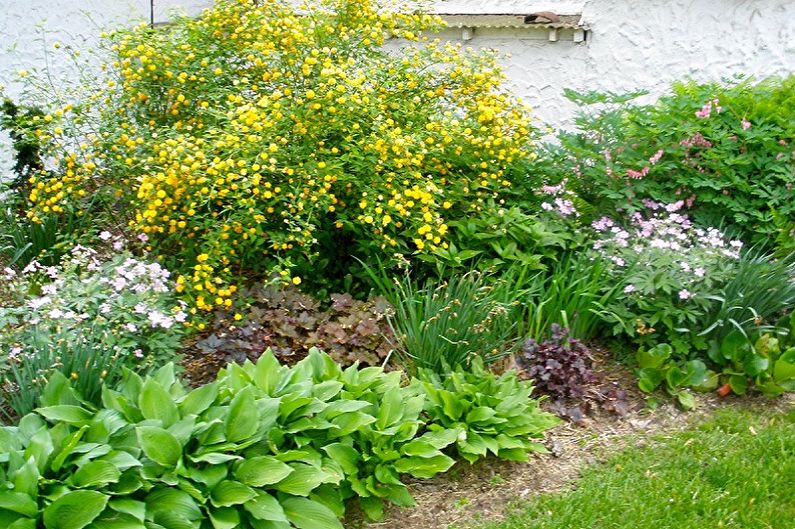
(296, 280)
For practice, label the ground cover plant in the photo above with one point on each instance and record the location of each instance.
(731, 471)
(264, 446)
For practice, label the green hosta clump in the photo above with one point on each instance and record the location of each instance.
(263, 447)
(488, 413)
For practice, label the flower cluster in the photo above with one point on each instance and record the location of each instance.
(108, 313)
(253, 139)
(669, 268)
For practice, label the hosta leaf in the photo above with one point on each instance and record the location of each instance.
(198, 400)
(784, 368)
(95, 474)
(224, 518)
(22, 523)
(117, 520)
(307, 514)
(26, 478)
(157, 403)
(230, 492)
(67, 447)
(261, 471)
(74, 510)
(265, 507)
(134, 508)
(421, 467)
(373, 507)
(172, 500)
(159, 445)
(65, 413)
(19, 502)
(346, 456)
(390, 410)
(243, 419)
(302, 481)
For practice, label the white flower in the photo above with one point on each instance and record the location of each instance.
(105, 235)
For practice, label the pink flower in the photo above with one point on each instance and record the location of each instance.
(105, 235)
(685, 294)
(656, 157)
(699, 272)
(629, 289)
(745, 124)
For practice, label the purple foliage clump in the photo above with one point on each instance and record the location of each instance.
(561, 366)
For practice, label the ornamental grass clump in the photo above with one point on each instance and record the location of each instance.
(258, 140)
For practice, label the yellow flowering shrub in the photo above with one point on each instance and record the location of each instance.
(261, 139)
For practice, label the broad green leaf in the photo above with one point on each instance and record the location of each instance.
(22, 523)
(784, 368)
(95, 474)
(421, 467)
(346, 456)
(172, 500)
(230, 492)
(65, 413)
(198, 400)
(373, 507)
(265, 507)
(117, 520)
(159, 445)
(243, 419)
(58, 391)
(134, 508)
(214, 458)
(224, 518)
(261, 471)
(26, 478)
(40, 448)
(19, 502)
(74, 510)
(654, 357)
(390, 409)
(307, 514)
(738, 384)
(649, 379)
(686, 400)
(157, 403)
(755, 364)
(302, 481)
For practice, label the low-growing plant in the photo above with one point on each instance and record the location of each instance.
(657, 366)
(290, 323)
(264, 446)
(669, 272)
(85, 319)
(488, 413)
(560, 366)
(439, 326)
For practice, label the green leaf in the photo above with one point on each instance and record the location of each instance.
(654, 357)
(373, 507)
(422, 467)
(265, 507)
(68, 446)
(243, 419)
(784, 368)
(738, 384)
(261, 471)
(157, 403)
(198, 400)
(224, 518)
(65, 413)
(686, 400)
(390, 410)
(649, 379)
(74, 510)
(173, 501)
(19, 502)
(136, 509)
(307, 514)
(95, 474)
(302, 481)
(23, 523)
(117, 520)
(755, 364)
(159, 445)
(230, 492)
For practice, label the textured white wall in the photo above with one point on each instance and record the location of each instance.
(631, 43)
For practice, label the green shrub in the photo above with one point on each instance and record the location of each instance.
(85, 319)
(265, 446)
(254, 140)
(723, 149)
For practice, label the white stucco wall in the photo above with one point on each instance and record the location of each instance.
(631, 43)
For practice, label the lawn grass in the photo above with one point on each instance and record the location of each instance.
(737, 470)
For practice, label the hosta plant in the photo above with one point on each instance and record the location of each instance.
(490, 414)
(263, 447)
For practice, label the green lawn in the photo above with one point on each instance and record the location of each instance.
(736, 470)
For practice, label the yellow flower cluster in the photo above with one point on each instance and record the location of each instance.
(255, 137)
